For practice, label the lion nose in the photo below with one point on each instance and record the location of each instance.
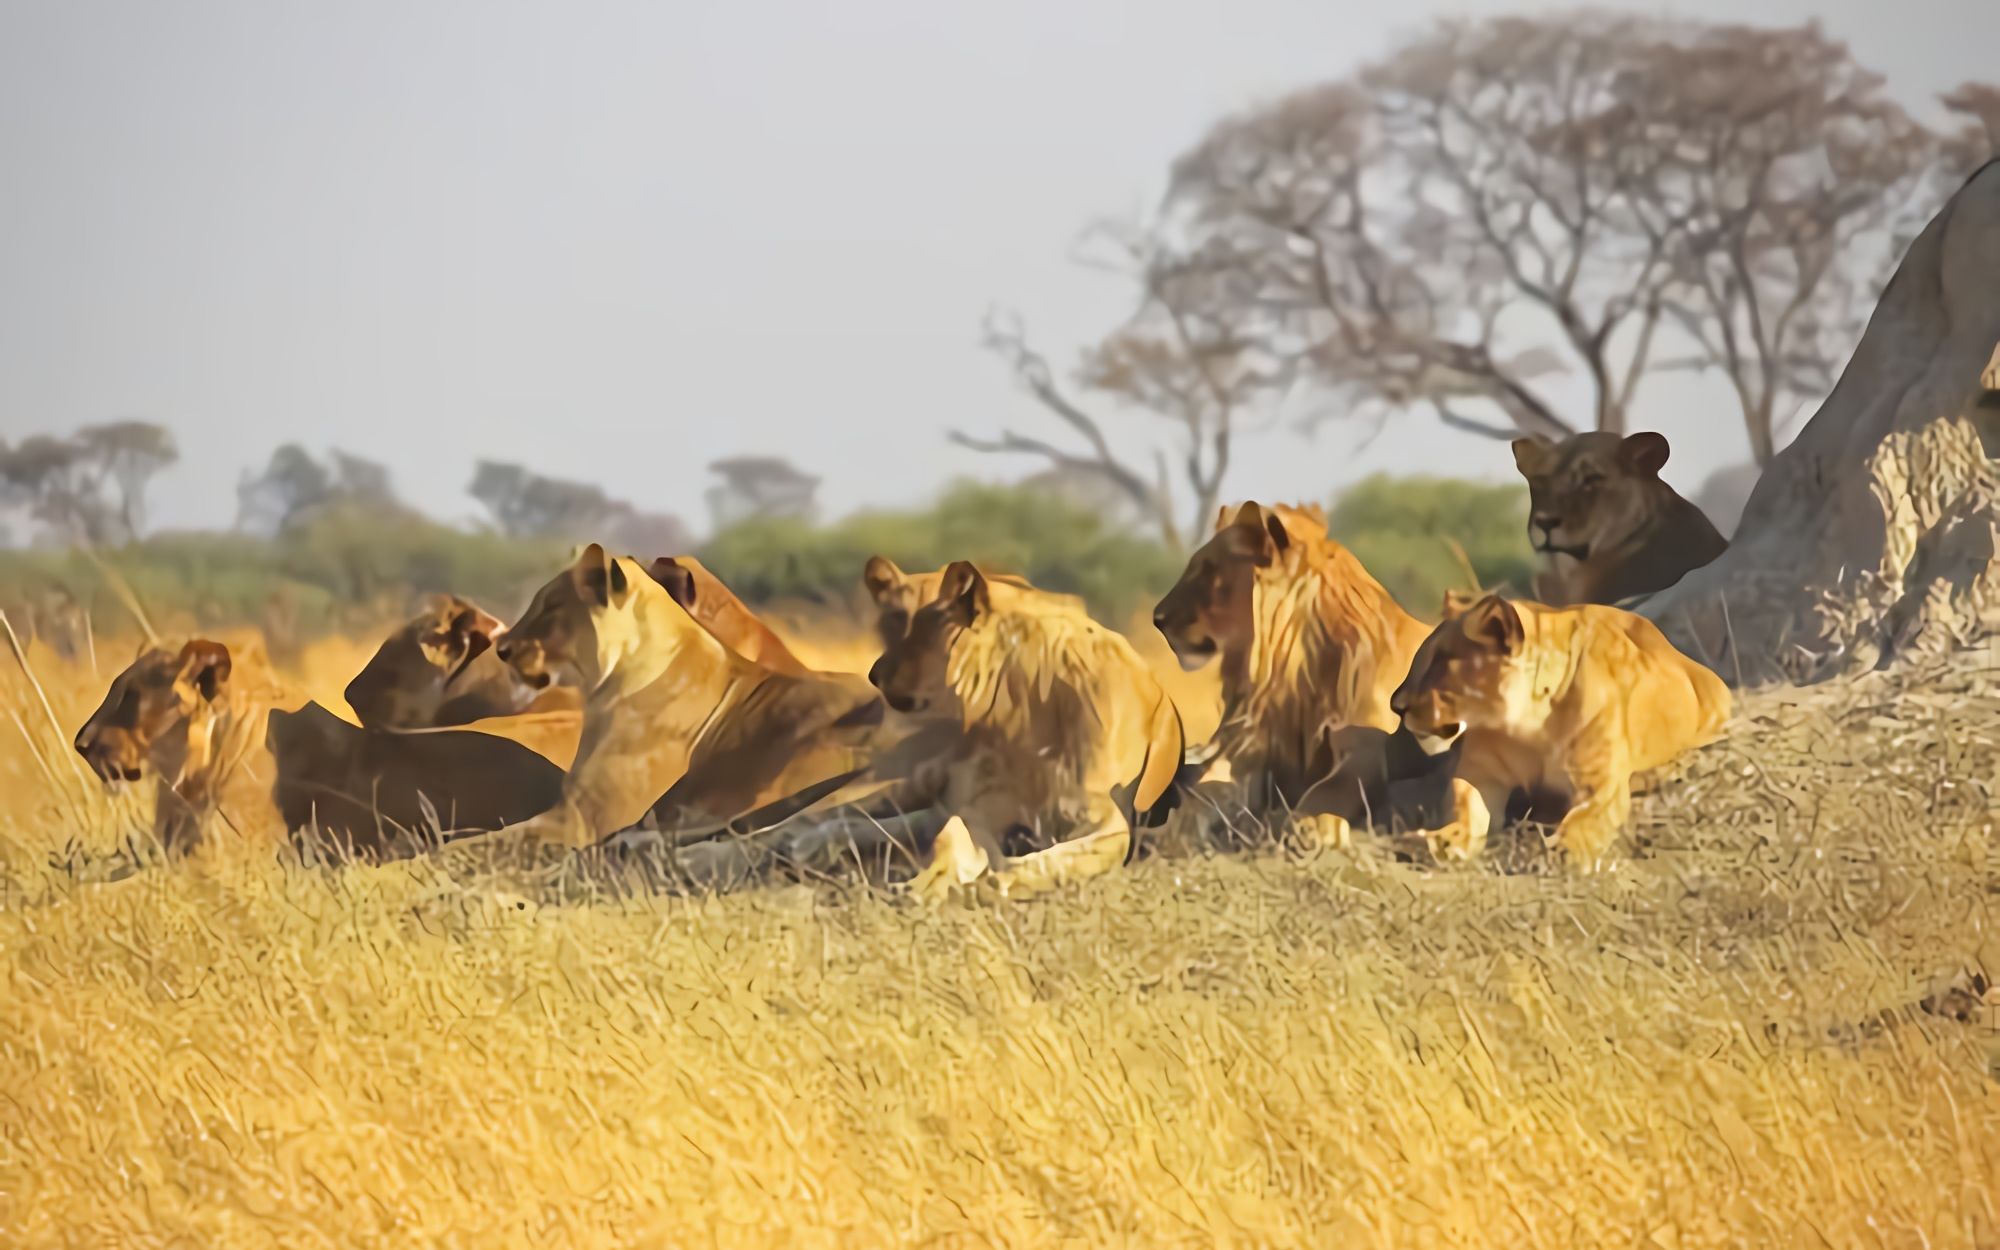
(1399, 702)
(505, 651)
(875, 674)
(1160, 620)
(1543, 522)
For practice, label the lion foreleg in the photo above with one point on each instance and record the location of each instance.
(1472, 816)
(1098, 850)
(957, 860)
(1600, 775)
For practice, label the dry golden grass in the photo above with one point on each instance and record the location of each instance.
(1714, 1046)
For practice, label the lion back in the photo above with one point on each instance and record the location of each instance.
(1677, 703)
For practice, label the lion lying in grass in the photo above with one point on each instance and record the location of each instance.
(210, 722)
(679, 730)
(1067, 738)
(1547, 701)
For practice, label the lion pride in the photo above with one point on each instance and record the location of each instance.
(1065, 737)
(1610, 526)
(1310, 644)
(1560, 702)
(678, 729)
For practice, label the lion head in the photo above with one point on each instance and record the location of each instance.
(411, 676)
(1211, 608)
(146, 714)
(575, 621)
(1591, 491)
(914, 671)
(1463, 676)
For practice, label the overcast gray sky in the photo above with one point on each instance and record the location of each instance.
(617, 241)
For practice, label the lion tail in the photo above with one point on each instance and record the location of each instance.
(1167, 771)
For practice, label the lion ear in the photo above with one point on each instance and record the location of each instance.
(1644, 452)
(880, 575)
(677, 578)
(204, 668)
(1497, 623)
(1281, 538)
(964, 588)
(1456, 602)
(1533, 454)
(599, 579)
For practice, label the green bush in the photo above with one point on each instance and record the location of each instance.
(1402, 529)
(345, 570)
(1056, 545)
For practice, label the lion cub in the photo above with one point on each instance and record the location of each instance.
(1598, 509)
(1066, 735)
(1554, 701)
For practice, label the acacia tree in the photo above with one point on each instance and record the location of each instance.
(88, 488)
(1507, 200)
(1192, 355)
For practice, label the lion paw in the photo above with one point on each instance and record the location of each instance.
(1454, 845)
(1322, 831)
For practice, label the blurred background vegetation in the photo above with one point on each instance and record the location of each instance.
(355, 565)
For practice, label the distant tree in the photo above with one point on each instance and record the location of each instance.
(1506, 200)
(294, 488)
(88, 489)
(529, 505)
(761, 487)
(129, 455)
(1189, 355)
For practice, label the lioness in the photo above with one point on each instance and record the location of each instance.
(677, 727)
(1066, 736)
(191, 716)
(377, 793)
(1609, 525)
(1310, 644)
(439, 669)
(1563, 702)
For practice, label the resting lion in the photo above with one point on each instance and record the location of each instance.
(1310, 644)
(1067, 738)
(1560, 702)
(1611, 528)
(678, 729)
(379, 793)
(192, 717)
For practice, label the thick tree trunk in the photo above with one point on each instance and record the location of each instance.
(1876, 534)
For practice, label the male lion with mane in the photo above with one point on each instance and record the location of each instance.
(1067, 737)
(1311, 646)
(1566, 703)
(1609, 525)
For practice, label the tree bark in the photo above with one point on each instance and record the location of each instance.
(1875, 536)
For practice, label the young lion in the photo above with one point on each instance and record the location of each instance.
(664, 700)
(1064, 732)
(191, 716)
(1611, 527)
(1566, 702)
(1310, 645)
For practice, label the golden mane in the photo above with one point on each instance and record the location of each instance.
(1328, 648)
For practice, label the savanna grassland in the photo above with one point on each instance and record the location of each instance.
(1719, 1044)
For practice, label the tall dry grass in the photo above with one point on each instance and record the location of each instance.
(1714, 1046)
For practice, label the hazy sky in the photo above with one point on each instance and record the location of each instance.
(618, 241)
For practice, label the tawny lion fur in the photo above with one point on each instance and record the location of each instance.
(1564, 702)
